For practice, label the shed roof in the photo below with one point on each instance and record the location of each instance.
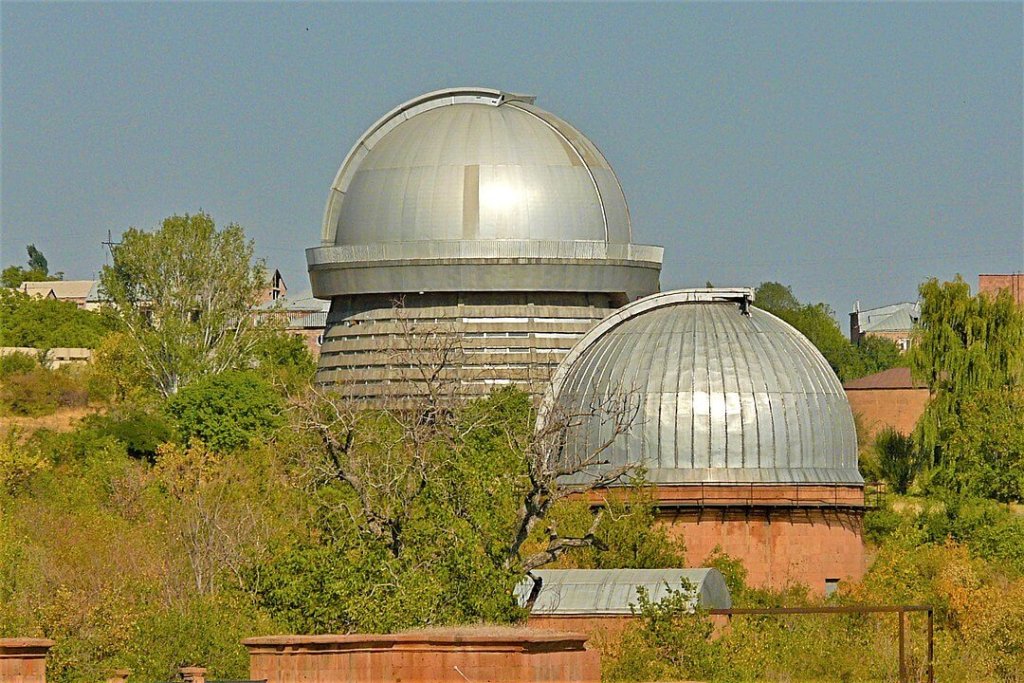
(616, 591)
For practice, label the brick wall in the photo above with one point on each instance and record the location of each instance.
(438, 656)
(881, 408)
(1014, 282)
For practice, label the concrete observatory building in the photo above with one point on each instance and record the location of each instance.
(500, 230)
(740, 425)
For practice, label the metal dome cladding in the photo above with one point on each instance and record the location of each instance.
(724, 393)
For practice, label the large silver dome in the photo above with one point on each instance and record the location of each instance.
(472, 163)
(724, 393)
(477, 190)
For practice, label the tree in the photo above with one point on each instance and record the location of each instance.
(187, 295)
(226, 411)
(970, 352)
(817, 322)
(897, 458)
(38, 270)
(36, 260)
(48, 323)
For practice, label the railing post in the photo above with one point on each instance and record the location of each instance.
(931, 646)
(903, 661)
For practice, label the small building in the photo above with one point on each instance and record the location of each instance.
(602, 602)
(891, 398)
(894, 322)
(82, 293)
(1013, 282)
(303, 316)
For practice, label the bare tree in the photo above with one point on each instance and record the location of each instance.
(388, 453)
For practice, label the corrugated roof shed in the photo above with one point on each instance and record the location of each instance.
(615, 591)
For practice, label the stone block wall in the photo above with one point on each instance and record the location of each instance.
(436, 656)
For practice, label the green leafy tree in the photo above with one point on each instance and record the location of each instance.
(970, 353)
(36, 260)
(48, 323)
(38, 270)
(226, 411)
(817, 322)
(187, 295)
(897, 458)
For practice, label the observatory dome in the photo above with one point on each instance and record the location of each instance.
(474, 164)
(724, 393)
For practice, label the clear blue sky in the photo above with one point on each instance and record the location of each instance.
(850, 150)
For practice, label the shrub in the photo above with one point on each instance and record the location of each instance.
(228, 410)
(141, 432)
(897, 459)
(15, 363)
(30, 393)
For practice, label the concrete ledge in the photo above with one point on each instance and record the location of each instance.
(23, 660)
(440, 655)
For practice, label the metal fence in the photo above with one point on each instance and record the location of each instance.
(900, 610)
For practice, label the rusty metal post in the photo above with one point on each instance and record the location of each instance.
(931, 646)
(903, 660)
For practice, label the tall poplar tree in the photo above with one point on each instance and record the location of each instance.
(187, 294)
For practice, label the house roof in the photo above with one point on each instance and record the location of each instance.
(62, 289)
(892, 318)
(893, 378)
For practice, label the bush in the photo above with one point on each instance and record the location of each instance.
(16, 363)
(228, 410)
(141, 432)
(897, 459)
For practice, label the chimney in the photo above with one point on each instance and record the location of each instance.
(193, 674)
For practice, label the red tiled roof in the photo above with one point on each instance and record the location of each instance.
(893, 378)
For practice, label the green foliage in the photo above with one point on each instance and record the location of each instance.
(817, 322)
(227, 411)
(187, 296)
(672, 641)
(897, 458)
(41, 391)
(141, 432)
(38, 270)
(627, 536)
(125, 563)
(36, 260)
(286, 359)
(416, 521)
(970, 352)
(48, 323)
(18, 461)
(16, 363)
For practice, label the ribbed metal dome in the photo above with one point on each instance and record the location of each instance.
(474, 164)
(725, 393)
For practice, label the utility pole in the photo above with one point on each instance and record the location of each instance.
(109, 244)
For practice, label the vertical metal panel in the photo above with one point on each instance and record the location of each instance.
(724, 397)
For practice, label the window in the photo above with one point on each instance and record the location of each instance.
(831, 586)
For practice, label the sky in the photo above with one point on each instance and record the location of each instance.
(848, 150)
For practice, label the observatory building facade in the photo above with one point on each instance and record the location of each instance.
(475, 240)
(735, 419)
(474, 237)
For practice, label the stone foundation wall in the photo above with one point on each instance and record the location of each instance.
(441, 656)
